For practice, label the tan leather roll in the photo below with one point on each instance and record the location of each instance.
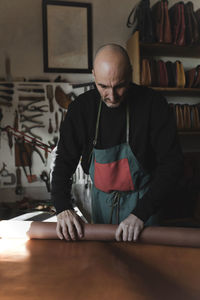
(176, 236)
(145, 73)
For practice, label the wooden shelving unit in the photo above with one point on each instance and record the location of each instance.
(137, 49)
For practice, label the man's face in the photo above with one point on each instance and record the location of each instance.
(112, 85)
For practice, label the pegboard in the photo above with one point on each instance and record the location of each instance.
(7, 155)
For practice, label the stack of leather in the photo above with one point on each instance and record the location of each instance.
(187, 116)
(160, 74)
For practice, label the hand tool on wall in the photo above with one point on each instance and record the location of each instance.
(10, 139)
(24, 118)
(10, 92)
(45, 177)
(19, 188)
(4, 173)
(7, 98)
(31, 107)
(8, 85)
(27, 129)
(8, 104)
(55, 141)
(34, 148)
(62, 98)
(8, 69)
(31, 98)
(23, 158)
(16, 120)
(56, 121)
(50, 97)
(50, 129)
(31, 90)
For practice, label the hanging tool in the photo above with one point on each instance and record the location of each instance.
(24, 118)
(4, 173)
(7, 98)
(23, 157)
(45, 177)
(30, 90)
(34, 148)
(62, 98)
(10, 92)
(19, 188)
(8, 104)
(31, 107)
(16, 120)
(56, 121)
(8, 85)
(30, 84)
(55, 141)
(10, 139)
(50, 97)
(27, 129)
(8, 69)
(31, 98)
(50, 129)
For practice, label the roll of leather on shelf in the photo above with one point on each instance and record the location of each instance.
(145, 73)
(180, 75)
(176, 236)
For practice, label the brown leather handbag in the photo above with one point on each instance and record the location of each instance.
(179, 117)
(180, 75)
(162, 74)
(192, 30)
(177, 19)
(190, 76)
(145, 73)
(186, 116)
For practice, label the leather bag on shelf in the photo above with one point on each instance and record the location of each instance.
(162, 73)
(140, 18)
(177, 19)
(179, 117)
(190, 76)
(180, 75)
(192, 30)
(154, 72)
(167, 34)
(196, 83)
(158, 20)
(186, 116)
(171, 72)
(145, 73)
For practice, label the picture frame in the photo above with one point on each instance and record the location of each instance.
(67, 37)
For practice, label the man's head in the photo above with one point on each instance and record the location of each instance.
(112, 72)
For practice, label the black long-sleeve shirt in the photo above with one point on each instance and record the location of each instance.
(153, 139)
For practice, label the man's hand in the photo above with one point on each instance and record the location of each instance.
(129, 229)
(69, 225)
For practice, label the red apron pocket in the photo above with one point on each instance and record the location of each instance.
(114, 176)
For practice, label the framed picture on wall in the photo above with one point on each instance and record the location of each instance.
(67, 37)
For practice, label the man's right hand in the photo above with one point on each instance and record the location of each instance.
(69, 225)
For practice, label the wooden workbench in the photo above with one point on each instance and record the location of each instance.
(84, 270)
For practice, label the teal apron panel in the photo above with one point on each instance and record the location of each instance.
(119, 181)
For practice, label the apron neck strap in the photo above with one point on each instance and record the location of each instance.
(98, 118)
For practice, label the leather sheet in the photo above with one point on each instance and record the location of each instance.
(177, 236)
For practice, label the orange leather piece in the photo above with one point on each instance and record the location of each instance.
(178, 236)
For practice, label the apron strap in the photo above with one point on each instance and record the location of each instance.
(127, 122)
(97, 123)
(98, 118)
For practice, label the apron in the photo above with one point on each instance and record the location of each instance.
(119, 181)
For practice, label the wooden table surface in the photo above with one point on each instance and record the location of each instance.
(54, 269)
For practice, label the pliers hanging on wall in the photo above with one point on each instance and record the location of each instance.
(24, 118)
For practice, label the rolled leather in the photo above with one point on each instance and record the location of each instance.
(176, 236)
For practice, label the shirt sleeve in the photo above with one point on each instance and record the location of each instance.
(168, 159)
(66, 159)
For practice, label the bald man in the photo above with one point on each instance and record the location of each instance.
(126, 137)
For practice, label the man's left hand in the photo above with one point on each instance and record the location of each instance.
(129, 229)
